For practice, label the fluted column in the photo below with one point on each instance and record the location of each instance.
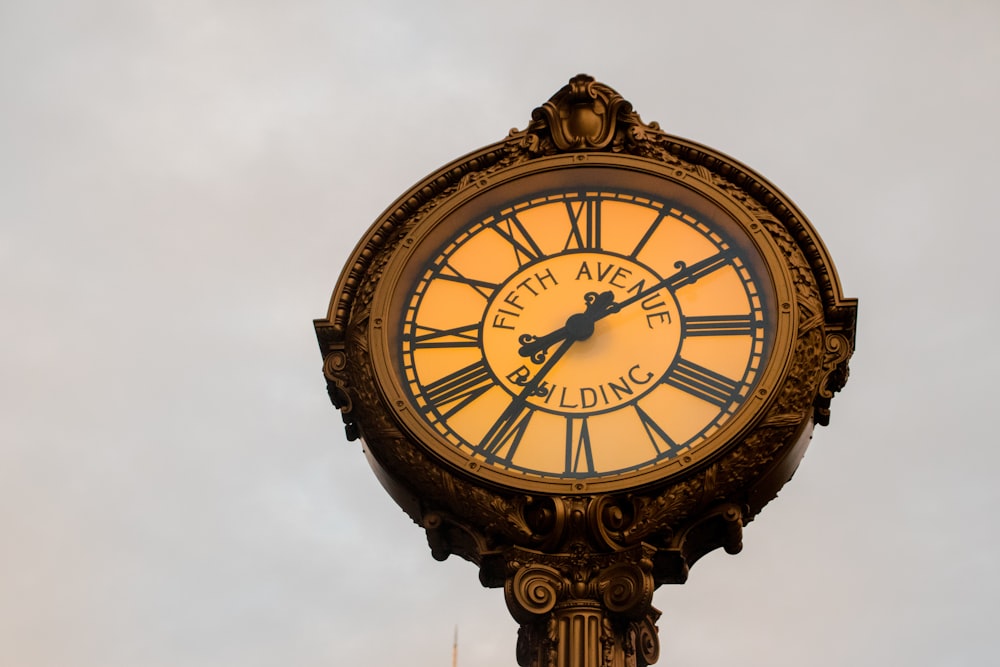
(583, 610)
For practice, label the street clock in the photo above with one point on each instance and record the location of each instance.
(584, 356)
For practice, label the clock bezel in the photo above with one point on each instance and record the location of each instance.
(429, 228)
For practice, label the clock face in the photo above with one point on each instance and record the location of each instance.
(575, 333)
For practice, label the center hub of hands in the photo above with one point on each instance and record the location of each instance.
(579, 326)
(614, 356)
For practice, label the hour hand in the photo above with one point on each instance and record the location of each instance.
(535, 348)
(578, 327)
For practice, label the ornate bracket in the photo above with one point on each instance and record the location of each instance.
(337, 383)
(838, 346)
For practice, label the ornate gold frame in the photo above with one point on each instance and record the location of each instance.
(582, 170)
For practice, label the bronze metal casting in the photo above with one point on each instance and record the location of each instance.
(579, 551)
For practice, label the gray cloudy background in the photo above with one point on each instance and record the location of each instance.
(181, 183)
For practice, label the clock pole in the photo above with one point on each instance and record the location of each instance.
(586, 599)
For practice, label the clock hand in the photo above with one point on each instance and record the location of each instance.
(652, 289)
(685, 275)
(510, 419)
(579, 326)
(599, 306)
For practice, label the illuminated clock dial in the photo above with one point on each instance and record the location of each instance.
(582, 333)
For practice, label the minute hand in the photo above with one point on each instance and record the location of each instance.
(685, 276)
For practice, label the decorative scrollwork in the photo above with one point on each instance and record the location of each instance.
(838, 350)
(647, 640)
(609, 518)
(546, 518)
(583, 115)
(533, 591)
(626, 589)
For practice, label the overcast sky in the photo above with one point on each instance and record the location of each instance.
(181, 182)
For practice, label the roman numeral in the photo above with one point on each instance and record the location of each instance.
(702, 383)
(649, 233)
(579, 455)
(690, 274)
(585, 224)
(484, 288)
(428, 337)
(460, 388)
(525, 248)
(657, 436)
(504, 437)
(719, 325)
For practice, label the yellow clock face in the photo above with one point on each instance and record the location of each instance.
(575, 333)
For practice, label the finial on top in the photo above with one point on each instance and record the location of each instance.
(584, 114)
